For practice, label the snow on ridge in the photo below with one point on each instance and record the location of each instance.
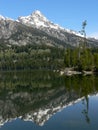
(38, 20)
(2, 17)
(5, 18)
(92, 38)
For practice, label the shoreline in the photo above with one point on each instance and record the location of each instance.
(70, 71)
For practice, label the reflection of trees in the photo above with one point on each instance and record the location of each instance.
(86, 109)
(83, 86)
(31, 90)
(30, 80)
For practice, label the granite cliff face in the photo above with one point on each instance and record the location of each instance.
(37, 29)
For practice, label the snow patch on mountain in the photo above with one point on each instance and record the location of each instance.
(5, 18)
(1, 17)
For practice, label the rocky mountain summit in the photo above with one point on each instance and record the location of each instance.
(37, 29)
(38, 20)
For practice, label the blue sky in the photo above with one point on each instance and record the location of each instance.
(67, 13)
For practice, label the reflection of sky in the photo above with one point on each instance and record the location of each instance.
(70, 118)
(94, 98)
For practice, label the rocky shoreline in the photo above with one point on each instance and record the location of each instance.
(70, 71)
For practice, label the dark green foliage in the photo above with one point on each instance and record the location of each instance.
(31, 57)
(82, 59)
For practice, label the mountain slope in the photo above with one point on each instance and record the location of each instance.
(37, 29)
(38, 20)
(13, 32)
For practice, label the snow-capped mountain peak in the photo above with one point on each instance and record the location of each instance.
(35, 19)
(38, 20)
(37, 13)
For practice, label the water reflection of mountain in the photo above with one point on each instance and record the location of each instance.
(37, 96)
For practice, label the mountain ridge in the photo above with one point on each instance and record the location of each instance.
(38, 19)
(37, 29)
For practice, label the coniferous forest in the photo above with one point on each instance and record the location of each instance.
(51, 58)
(82, 59)
(31, 57)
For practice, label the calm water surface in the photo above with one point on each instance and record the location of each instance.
(42, 100)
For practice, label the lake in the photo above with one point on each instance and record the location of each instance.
(44, 100)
